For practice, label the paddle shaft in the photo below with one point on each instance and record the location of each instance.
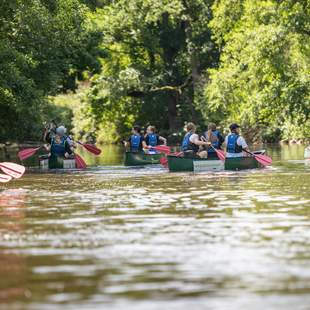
(262, 159)
(244, 150)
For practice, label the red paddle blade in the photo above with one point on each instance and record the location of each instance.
(220, 154)
(179, 154)
(263, 159)
(14, 170)
(92, 149)
(162, 148)
(24, 154)
(164, 162)
(5, 178)
(80, 163)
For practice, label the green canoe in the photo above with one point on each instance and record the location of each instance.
(56, 163)
(140, 159)
(176, 164)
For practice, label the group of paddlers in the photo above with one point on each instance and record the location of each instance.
(58, 143)
(193, 145)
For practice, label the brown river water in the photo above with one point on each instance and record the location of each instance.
(113, 237)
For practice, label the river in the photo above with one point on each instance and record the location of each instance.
(113, 237)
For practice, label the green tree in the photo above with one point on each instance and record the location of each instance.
(155, 54)
(45, 47)
(263, 76)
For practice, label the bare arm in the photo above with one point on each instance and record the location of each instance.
(204, 140)
(243, 144)
(200, 143)
(164, 140)
(144, 146)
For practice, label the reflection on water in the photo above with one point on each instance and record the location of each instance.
(12, 266)
(123, 238)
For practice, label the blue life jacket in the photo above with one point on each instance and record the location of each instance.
(58, 149)
(152, 139)
(232, 146)
(187, 145)
(135, 141)
(215, 143)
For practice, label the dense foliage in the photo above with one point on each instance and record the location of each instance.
(45, 46)
(167, 62)
(155, 54)
(263, 77)
(161, 62)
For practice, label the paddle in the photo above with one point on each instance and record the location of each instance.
(24, 154)
(262, 159)
(5, 178)
(14, 170)
(80, 163)
(90, 148)
(220, 153)
(164, 161)
(161, 148)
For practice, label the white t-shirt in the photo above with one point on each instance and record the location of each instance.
(241, 142)
(194, 137)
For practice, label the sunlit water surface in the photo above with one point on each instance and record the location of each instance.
(113, 237)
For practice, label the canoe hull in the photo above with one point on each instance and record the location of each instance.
(141, 159)
(242, 163)
(179, 164)
(57, 163)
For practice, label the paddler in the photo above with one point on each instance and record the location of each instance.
(152, 139)
(60, 145)
(136, 142)
(235, 144)
(49, 131)
(62, 131)
(191, 143)
(213, 136)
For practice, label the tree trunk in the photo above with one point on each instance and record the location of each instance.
(169, 54)
(195, 74)
(173, 100)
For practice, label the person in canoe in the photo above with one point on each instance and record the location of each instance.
(136, 142)
(191, 145)
(49, 131)
(152, 139)
(235, 144)
(60, 145)
(213, 136)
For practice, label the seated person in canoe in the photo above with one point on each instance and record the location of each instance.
(136, 142)
(191, 143)
(235, 144)
(60, 145)
(213, 136)
(50, 132)
(152, 139)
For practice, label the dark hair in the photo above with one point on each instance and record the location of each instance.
(137, 128)
(233, 126)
